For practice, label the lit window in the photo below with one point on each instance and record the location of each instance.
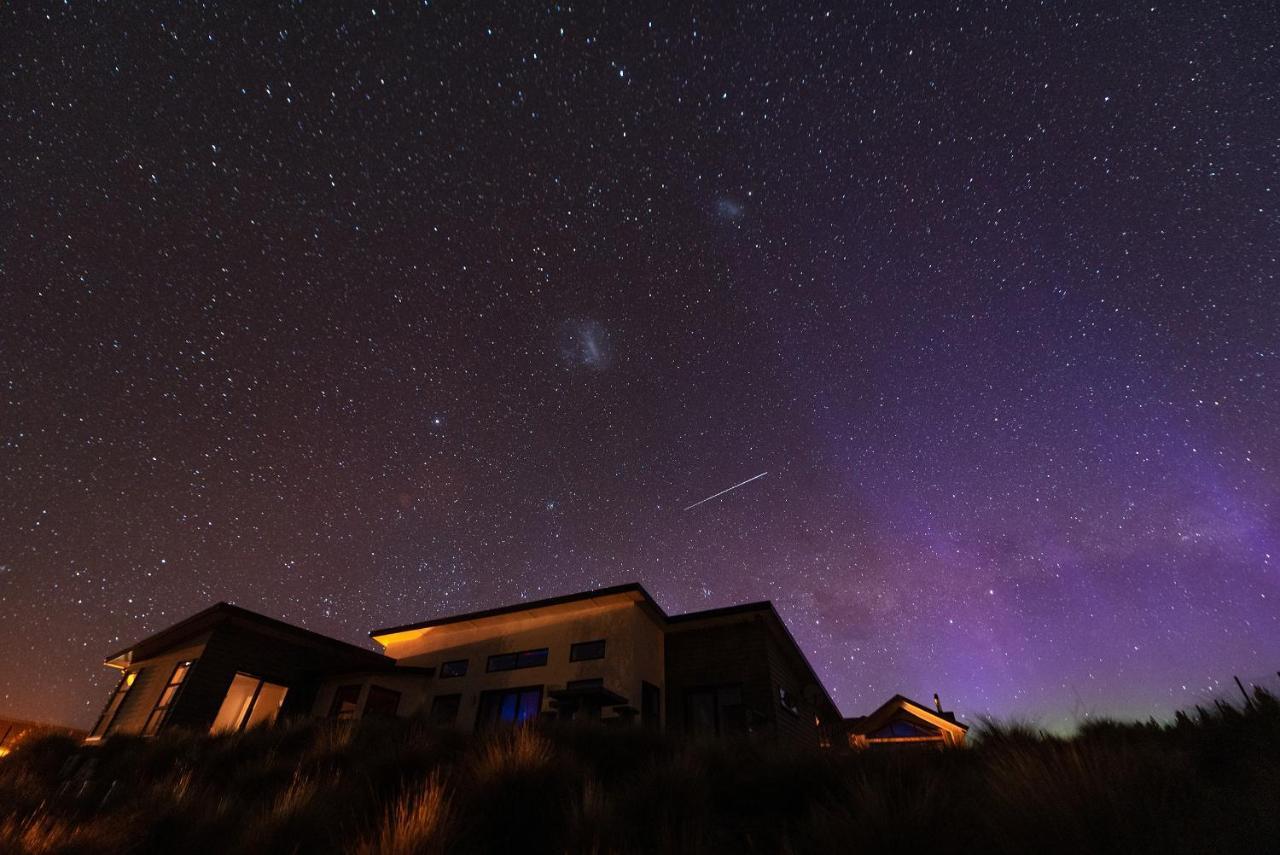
(167, 697)
(250, 701)
(512, 661)
(509, 706)
(585, 650)
(455, 668)
(108, 717)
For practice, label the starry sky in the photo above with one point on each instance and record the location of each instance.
(365, 315)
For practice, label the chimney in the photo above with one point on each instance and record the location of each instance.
(937, 703)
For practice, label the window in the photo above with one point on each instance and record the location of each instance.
(788, 701)
(345, 701)
(715, 711)
(167, 697)
(103, 725)
(381, 702)
(250, 701)
(444, 709)
(585, 650)
(456, 668)
(650, 706)
(509, 706)
(513, 661)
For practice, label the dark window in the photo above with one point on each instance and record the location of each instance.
(584, 650)
(345, 699)
(588, 683)
(512, 661)
(904, 729)
(531, 658)
(444, 709)
(455, 668)
(715, 710)
(167, 698)
(381, 702)
(509, 706)
(108, 717)
(788, 701)
(650, 706)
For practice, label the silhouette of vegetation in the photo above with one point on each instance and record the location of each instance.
(1209, 781)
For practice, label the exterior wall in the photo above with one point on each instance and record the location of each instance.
(153, 675)
(799, 726)
(235, 647)
(720, 653)
(633, 653)
(746, 649)
(415, 691)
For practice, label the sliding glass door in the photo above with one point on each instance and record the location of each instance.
(250, 701)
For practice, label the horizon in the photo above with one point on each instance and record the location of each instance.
(353, 317)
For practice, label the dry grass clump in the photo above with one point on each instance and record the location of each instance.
(417, 824)
(1210, 781)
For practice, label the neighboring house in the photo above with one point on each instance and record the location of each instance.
(611, 655)
(901, 722)
(14, 732)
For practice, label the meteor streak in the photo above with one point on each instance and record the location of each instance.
(726, 490)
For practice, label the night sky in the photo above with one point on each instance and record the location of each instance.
(356, 317)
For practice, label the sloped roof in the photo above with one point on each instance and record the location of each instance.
(763, 608)
(529, 605)
(220, 613)
(883, 713)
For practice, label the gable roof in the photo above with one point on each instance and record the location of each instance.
(883, 713)
(221, 613)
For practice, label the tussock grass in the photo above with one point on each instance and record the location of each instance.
(1207, 782)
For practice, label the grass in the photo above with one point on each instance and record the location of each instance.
(1207, 782)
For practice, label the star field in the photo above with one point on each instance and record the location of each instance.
(359, 316)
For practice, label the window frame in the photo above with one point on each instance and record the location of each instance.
(492, 666)
(102, 727)
(375, 689)
(252, 706)
(454, 698)
(489, 708)
(160, 712)
(576, 654)
(444, 675)
(335, 704)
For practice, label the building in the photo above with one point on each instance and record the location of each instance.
(14, 732)
(902, 723)
(611, 655)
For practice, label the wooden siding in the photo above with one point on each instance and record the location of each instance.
(153, 675)
(798, 727)
(719, 654)
(298, 663)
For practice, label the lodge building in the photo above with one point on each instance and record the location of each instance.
(610, 655)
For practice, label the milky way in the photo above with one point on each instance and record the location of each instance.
(361, 316)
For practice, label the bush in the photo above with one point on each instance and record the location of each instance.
(1209, 781)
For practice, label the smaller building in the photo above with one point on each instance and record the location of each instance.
(902, 723)
(224, 669)
(14, 732)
